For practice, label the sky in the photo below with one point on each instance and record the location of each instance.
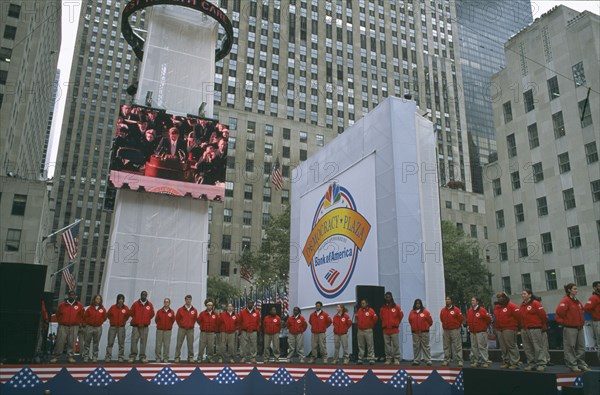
(70, 19)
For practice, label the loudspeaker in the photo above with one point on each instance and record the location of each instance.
(591, 382)
(573, 391)
(504, 382)
(374, 295)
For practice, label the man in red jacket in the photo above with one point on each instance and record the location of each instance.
(142, 312)
(93, 318)
(296, 326)
(366, 320)
(164, 319)
(391, 315)
(507, 318)
(478, 320)
(533, 320)
(592, 307)
(186, 321)
(569, 314)
(249, 327)
(228, 324)
(319, 322)
(271, 328)
(70, 317)
(118, 314)
(451, 318)
(341, 325)
(208, 331)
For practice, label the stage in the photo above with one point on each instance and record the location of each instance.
(160, 378)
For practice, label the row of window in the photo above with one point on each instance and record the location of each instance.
(462, 206)
(551, 280)
(249, 192)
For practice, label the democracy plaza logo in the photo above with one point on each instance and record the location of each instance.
(337, 236)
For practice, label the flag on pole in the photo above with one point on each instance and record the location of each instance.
(276, 177)
(71, 241)
(69, 278)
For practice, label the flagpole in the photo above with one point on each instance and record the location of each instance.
(61, 230)
(64, 268)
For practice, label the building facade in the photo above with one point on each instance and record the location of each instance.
(543, 193)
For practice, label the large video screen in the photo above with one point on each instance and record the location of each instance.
(172, 154)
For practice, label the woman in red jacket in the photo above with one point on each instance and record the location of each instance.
(533, 319)
(507, 318)
(569, 314)
(93, 318)
(271, 327)
(341, 324)
(420, 321)
(478, 320)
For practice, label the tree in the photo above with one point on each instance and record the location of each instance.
(221, 291)
(464, 272)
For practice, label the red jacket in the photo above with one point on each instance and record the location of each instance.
(478, 320)
(249, 320)
(165, 319)
(366, 319)
(228, 323)
(69, 314)
(592, 306)
(507, 317)
(319, 323)
(118, 316)
(186, 319)
(141, 314)
(208, 321)
(94, 317)
(296, 325)
(533, 315)
(451, 318)
(420, 321)
(390, 316)
(272, 325)
(341, 324)
(569, 313)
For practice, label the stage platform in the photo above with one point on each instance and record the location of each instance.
(161, 378)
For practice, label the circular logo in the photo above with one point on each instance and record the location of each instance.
(101, 311)
(193, 312)
(343, 320)
(505, 310)
(234, 317)
(422, 315)
(393, 310)
(477, 315)
(298, 321)
(213, 316)
(75, 307)
(452, 312)
(123, 311)
(169, 315)
(528, 307)
(147, 307)
(253, 314)
(367, 313)
(321, 317)
(166, 190)
(275, 320)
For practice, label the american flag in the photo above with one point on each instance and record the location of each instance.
(69, 238)
(69, 278)
(459, 383)
(24, 379)
(578, 381)
(226, 376)
(401, 379)
(282, 376)
(99, 378)
(166, 377)
(339, 378)
(276, 177)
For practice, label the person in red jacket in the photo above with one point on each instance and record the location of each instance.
(93, 318)
(391, 315)
(70, 317)
(420, 321)
(478, 320)
(186, 321)
(249, 327)
(142, 312)
(228, 324)
(507, 317)
(271, 328)
(296, 326)
(451, 318)
(592, 307)
(341, 324)
(118, 314)
(319, 321)
(533, 320)
(366, 320)
(569, 314)
(208, 331)
(164, 319)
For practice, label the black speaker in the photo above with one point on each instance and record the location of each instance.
(374, 295)
(504, 382)
(591, 382)
(573, 391)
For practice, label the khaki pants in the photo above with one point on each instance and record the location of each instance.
(228, 346)
(188, 336)
(207, 342)
(296, 345)
(340, 340)
(248, 344)
(138, 334)
(479, 349)
(574, 347)
(534, 349)
(546, 346)
(508, 346)
(67, 335)
(92, 334)
(452, 345)
(365, 339)
(421, 347)
(596, 328)
(392, 349)
(163, 344)
(317, 343)
(119, 333)
(274, 339)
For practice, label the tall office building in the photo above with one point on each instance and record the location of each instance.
(299, 73)
(483, 28)
(47, 143)
(543, 197)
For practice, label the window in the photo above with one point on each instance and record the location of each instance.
(579, 275)
(268, 130)
(522, 246)
(534, 140)
(511, 145)
(251, 127)
(551, 280)
(526, 280)
(231, 143)
(303, 137)
(475, 208)
(585, 114)
(286, 152)
(226, 242)
(595, 185)
(18, 206)
(574, 236)
(528, 100)
(553, 90)
(13, 239)
(10, 32)
(461, 206)
(5, 54)
(591, 152)
(246, 243)
(503, 252)
(247, 219)
(506, 285)
(267, 168)
(266, 219)
(225, 268)
(286, 133)
(285, 196)
(320, 140)
(459, 225)
(542, 206)
(578, 74)
(559, 125)
(569, 198)
(519, 213)
(232, 123)
(516, 181)
(485, 232)
(448, 204)
(563, 162)
(538, 172)
(14, 10)
(248, 191)
(250, 145)
(497, 187)
(303, 154)
(250, 165)
(507, 112)
(546, 242)
(266, 194)
(268, 149)
(228, 189)
(500, 219)
(227, 214)
(474, 231)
